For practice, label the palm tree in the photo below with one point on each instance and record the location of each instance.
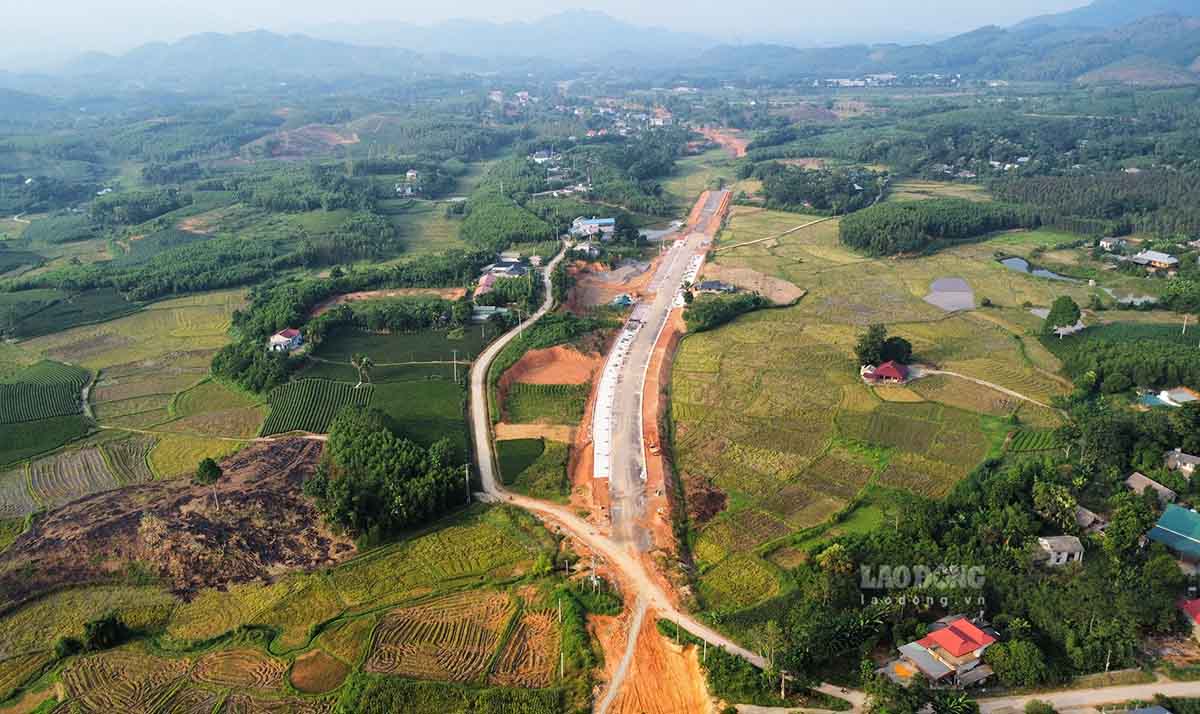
(363, 364)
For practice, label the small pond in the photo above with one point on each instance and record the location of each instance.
(1022, 266)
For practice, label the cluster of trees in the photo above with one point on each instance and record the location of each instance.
(525, 292)
(1164, 203)
(435, 178)
(172, 173)
(875, 347)
(494, 222)
(709, 311)
(406, 314)
(316, 187)
(374, 483)
(133, 207)
(911, 227)
(1051, 628)
(1115, 367)
(1064, 312)
(250, 365)
(792, 188)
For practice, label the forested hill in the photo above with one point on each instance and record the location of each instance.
(1162, 49)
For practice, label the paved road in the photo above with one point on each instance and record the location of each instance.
(1087, 698)
(627, 461)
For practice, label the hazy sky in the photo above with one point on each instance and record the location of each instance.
(48, 29)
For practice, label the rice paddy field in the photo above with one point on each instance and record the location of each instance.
(770, 411)
(450, 606)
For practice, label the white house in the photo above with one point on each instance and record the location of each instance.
(1112, 244)
(412, 175)
(286, 340)
(1183, 463)
(604, 227)
(1060, 550)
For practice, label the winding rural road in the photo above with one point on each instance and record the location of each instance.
(618, 557)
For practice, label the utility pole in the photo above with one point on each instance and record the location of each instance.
(455, 361)
(467, 481)
(782, 685)
(1185, 322)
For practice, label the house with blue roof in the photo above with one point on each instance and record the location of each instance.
(584, 227)
(1179, 530)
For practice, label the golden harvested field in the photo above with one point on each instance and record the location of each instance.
(214, 612)
(916, 190)
(769, 410)
(35, 627)
(530, 657)
(316, 672)
(461, 552)
(316, 601)
(239, 669)
(348, 639)
(198, 322)
(178, 454)
(450, 639)
(121, 681)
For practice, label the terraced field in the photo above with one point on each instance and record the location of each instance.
(15, 499)
(128, 458)
(239, 669)
(530, 657)
(311, 404)
(121, 681)
(451, 639)
(69, 475)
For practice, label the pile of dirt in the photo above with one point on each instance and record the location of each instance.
(554, 365)
(728, 139)
(254, 523)
(663, 678)
(444, 293)
(777, 290)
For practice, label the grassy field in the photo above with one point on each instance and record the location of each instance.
(423, 346)
(535, 467)
(422, 226)
(696, 174)
(546, 403)
(212, 408)
(426, 411)
(179, 454)
(916, 190)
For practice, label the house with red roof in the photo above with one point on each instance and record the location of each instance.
(285, 340)
(890, 372)
(950, 655)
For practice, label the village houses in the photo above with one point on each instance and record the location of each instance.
(285, 340)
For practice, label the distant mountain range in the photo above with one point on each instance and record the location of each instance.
(569, 37)
(1107, 41)
(1154, 50)
(1108, 14)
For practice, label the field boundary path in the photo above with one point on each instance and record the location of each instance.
(18, 219)
(614, 686)
(1090, 698)
(925, 371)
(788, 232)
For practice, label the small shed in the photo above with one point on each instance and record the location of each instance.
(1060, 550)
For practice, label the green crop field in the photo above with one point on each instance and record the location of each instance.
(546, 403)
(43, 390)
(310, 404)
(1029, 440)
(535, 467)
(426, 411)
(30, 438)
(423, 346)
